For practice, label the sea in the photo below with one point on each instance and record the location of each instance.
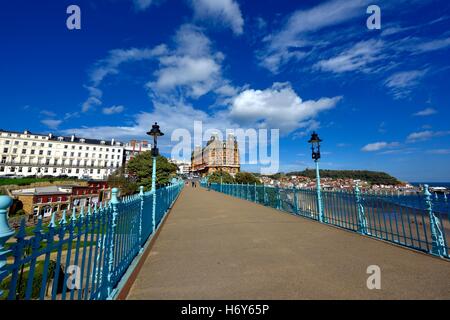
(433, 184)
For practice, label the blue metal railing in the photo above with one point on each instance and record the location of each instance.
(84, 255)
(416, 220)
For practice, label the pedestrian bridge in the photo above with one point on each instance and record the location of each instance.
(214, 246)
(221, 243)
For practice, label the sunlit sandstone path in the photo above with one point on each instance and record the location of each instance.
(214, 246)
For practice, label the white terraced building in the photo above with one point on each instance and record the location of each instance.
(28, 154)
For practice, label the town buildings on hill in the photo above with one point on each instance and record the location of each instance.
(216, 156)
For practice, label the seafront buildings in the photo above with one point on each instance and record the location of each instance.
(30, 154)
(216, 156)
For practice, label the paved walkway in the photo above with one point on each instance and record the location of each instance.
(214, 246)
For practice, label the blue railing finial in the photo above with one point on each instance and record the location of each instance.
(114, 198)
(5, 230)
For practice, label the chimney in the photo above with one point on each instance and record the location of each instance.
(112, 142)
(50, 135)
(72, 138)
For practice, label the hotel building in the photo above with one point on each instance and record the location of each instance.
(28, 154)
(216, 156)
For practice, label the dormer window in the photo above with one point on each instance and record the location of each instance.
(60, 138)
(102, 142)
(82, 140)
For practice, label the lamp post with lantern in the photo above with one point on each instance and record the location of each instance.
(315, 148)
(155, 132)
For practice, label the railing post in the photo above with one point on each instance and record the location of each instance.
(256, 193)
(114, 204)
(437, 237)
(319, 193)
(278, 198)
(362, 222)
(248, 191)
(265, 194)
(154, 195)
(5, 233)
(295, 200)
(141, 195)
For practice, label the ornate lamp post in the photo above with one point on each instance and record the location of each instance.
(155, 133)
(315, 147)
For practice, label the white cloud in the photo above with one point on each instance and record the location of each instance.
(425, 112)
(110, 66)
(51, 123)
(358, 57)
(277, 107)
(143, 4)
(377, 146)
(113, 110)
(117, 57)
(220, 11)
(401, 83)
(90, 103)
(439, 151)
(191, 66)
(290, 42)
(425, 135)
(421, 46)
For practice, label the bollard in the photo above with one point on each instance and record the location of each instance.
(5, 233)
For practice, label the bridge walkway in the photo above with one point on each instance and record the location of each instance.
(214, 246)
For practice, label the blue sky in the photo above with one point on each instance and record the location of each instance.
(378, 98)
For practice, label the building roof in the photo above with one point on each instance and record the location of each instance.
(42, 191)
(73, 138)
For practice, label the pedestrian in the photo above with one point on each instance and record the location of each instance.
(193, 183)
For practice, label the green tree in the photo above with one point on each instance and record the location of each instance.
(127, 185)
(216, 177)
(140, 170)
(246, 177)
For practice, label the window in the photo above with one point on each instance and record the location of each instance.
(39, 200)
(30, 169)
(32, 151)
(15, 150)
(7, 142)
(24, 151)
(16, 143)
(49, 153)
(59, 199)
(25, 143)
(66, 146)
(34, 144)
(5, 150)
(41, 152)
(2, 169)
(65, 154)
(42, 144)
(72, 154)
(50, 145)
